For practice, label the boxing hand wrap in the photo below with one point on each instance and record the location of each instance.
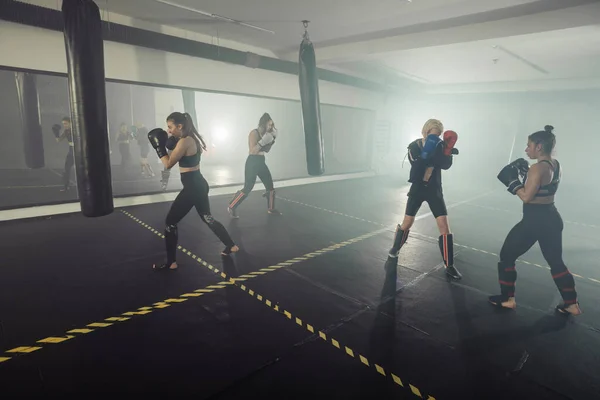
(158, 139)
(509, 176)
(430, 145)
(171, 143)
(450, 139)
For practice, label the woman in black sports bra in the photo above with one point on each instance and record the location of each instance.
(195, 188)
(541, 223)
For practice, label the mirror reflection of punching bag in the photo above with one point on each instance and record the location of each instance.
(189, 104)
(31, 125)
(311, 108)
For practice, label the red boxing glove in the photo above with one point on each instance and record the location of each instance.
(450, 139)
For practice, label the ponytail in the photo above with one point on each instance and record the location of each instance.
(190, 128)
(185, 119)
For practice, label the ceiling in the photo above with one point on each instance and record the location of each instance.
(432, 42)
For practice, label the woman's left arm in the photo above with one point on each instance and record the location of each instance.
(170, 160)
(532, 184)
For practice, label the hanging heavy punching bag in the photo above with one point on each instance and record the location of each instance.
(87, 94)
(33, 141)
(311, 108)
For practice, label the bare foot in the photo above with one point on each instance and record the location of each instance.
(164, 266)
(510, 303)
(572, 309)
(229, 250)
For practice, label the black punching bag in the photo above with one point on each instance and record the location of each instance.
(87, 94)
(311, 108)
(189, 104)
(33, 141)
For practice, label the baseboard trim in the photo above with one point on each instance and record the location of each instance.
(121, 202)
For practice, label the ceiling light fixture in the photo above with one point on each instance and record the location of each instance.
(215, 16)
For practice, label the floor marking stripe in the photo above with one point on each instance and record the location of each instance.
(99, 325)
(132, 313)
(436, 239)
(23, 349)
(55, 339)
(299, 321)
(82, 330)
(71, 334)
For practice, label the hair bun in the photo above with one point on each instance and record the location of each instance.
(549, 128)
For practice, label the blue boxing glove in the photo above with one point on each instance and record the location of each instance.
(430, 145)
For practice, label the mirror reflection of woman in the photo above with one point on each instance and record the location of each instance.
(123, 140)
(67, 135)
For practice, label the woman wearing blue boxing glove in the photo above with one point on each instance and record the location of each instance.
(428, 159)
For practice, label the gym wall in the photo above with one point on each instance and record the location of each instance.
(229, 101)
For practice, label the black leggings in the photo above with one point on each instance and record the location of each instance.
(541, 223)
(255, 167)
(194, 194)
(69, 162)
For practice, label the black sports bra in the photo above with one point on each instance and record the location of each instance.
(191, 161)
(550, 188)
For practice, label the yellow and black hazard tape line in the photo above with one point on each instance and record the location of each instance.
(107, 322)
(597, 281)
(271, 268)
(299, 321)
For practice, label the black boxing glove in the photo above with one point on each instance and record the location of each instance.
(454, 151)
(522, 166)
(56, 130)
(172, 142)
(158, 140)
(509, 176)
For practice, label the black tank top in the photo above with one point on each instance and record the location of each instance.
(551, 188)
(191, 161)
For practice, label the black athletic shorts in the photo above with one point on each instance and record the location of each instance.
(433, 196)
